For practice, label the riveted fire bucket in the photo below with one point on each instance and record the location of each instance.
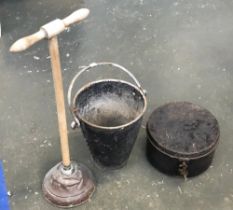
(110, 113)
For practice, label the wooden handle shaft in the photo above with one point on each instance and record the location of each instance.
(58, 86)
(49, 30)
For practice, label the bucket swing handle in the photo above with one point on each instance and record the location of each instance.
(76, 122)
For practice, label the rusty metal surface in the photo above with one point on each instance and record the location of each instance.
(182, 138)
(110, 113)
(68, 188)
(183, 129)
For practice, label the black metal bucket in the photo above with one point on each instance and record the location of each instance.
(109, 112)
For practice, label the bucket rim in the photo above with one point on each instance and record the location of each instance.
(76, 113)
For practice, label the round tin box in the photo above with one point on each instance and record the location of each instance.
(181, 138)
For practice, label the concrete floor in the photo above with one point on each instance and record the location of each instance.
(179, 50)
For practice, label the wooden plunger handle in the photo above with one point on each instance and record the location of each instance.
(49, 30)
(59, 93)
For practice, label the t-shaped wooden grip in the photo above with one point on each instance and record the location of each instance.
(49, 30)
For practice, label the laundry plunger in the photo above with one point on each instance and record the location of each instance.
(68, 183)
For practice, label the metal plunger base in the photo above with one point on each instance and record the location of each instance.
(70, 187)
